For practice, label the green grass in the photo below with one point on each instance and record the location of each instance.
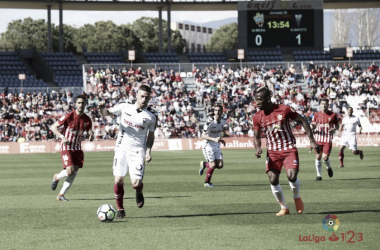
(179, 213)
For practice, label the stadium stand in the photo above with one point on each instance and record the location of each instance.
(103, 57)
(207, 57)
(311, 55)
(67, 71)
(265, 56)
(167, 57)
(366, 55)
(10, 67)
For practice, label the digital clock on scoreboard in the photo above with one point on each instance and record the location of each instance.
(285, 28)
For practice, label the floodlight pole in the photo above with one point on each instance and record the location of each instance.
(60, 26)
(49, 29)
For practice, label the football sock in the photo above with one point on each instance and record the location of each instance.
(277, 192)
(119, 194)
(341, 157)
(209, 175)
(139, 188)
(295, 187)
(357, 152)
(68, 182)
(62, 174)
(318, 166)
(206, 165)
(327, 163)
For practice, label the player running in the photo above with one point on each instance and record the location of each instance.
(274, 121)
(74, 124)
(210, 145)
(349, 124)
(134, 143)
(325, 124)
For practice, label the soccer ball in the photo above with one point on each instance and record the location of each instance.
(331, 223)
(106, 213)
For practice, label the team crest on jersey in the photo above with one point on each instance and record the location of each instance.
(85, 124)
(144, 120)
(279, 117)
(329, 119)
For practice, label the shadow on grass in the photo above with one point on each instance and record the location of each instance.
(198, 215)
(349, 212)
(357, 179)
(130, 198)
(243, 185)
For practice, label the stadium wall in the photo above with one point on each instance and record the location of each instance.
(163, 144)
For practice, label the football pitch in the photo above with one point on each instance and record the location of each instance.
(180, 213)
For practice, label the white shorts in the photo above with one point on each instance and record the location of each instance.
(349, 140)
(129, 160)
(212, 153)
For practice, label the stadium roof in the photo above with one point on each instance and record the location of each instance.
(153, 5)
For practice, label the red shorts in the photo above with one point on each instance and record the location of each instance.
(277, 159)
(325, 147)
(72, 157)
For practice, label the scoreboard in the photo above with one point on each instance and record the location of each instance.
(286, 28)
(280, 24)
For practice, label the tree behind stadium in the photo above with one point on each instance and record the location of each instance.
(224, 38)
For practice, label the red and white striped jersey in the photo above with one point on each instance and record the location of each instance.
(324, 122)
(73, 128)
(276, 126)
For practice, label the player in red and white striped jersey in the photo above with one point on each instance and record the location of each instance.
(325, 124)
(74, 124)
(273, 120)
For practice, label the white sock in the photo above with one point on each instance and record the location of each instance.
(318, 166)
(327, 163)
(62, 174)
(295, 187)
(68, 182)
(277, 192)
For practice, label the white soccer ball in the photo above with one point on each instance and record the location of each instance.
(331, 223)
(106, 213)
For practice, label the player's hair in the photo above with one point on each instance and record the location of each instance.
(220, 106)
(265, 90)
(325, 100)
(145, 88)
(81, 97)
(350, 108)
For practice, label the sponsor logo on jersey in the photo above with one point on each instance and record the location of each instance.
(134, 125)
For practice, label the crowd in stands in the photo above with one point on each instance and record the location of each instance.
(29, 115)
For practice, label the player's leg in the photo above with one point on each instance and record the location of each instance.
(72, 172)
(273, 170)
(341, 155)
(326, 158)
(63, 173)
(120, 169)
(318, 163)
(136, 172)
(291, 164)
(210, 156)
(353, 147)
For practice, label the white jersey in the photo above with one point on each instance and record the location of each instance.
(134, 126)
(350, 124)
(213, 129)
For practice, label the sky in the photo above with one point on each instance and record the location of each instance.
(79, 18)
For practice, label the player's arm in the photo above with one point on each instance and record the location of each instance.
(340, 128)
(54, 129)
(149, 145)
(103, 110)
(205, 136)
(308, 131)
(257, 142)
(360, 128)
(336, 127)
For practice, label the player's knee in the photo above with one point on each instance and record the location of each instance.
(325, 157)
(274, 181)
(212, 164)
(292, 178)
(70, 170)
(119, 180)
(136, 183)
(220, 165)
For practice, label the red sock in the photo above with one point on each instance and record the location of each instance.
(341, 157)
(139, 188)
(209, 175)
(206, 165)
(119, 194)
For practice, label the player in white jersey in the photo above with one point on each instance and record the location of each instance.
(134, 143)
(349, 124)
(211, 144)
